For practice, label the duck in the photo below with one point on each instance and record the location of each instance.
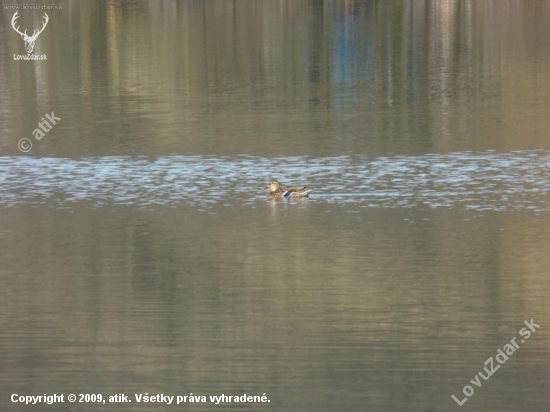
(278, 191)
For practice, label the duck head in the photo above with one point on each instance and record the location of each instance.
(273, 186)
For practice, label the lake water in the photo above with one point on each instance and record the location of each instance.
(139, 254)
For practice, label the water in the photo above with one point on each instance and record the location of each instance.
(139, 253)
(472, 181)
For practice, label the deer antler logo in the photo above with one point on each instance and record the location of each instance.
(29, 41)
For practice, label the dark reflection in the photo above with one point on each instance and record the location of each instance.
(282, 77)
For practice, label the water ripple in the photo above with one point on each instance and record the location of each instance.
(470, 180)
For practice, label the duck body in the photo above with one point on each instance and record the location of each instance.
(278, 191)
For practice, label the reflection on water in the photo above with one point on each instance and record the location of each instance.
(281, 77)
(480, 181)
(323, 310)
(138, 253)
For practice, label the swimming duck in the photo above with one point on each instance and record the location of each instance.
(276, 190)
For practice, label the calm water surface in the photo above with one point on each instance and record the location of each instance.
(138, 253)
